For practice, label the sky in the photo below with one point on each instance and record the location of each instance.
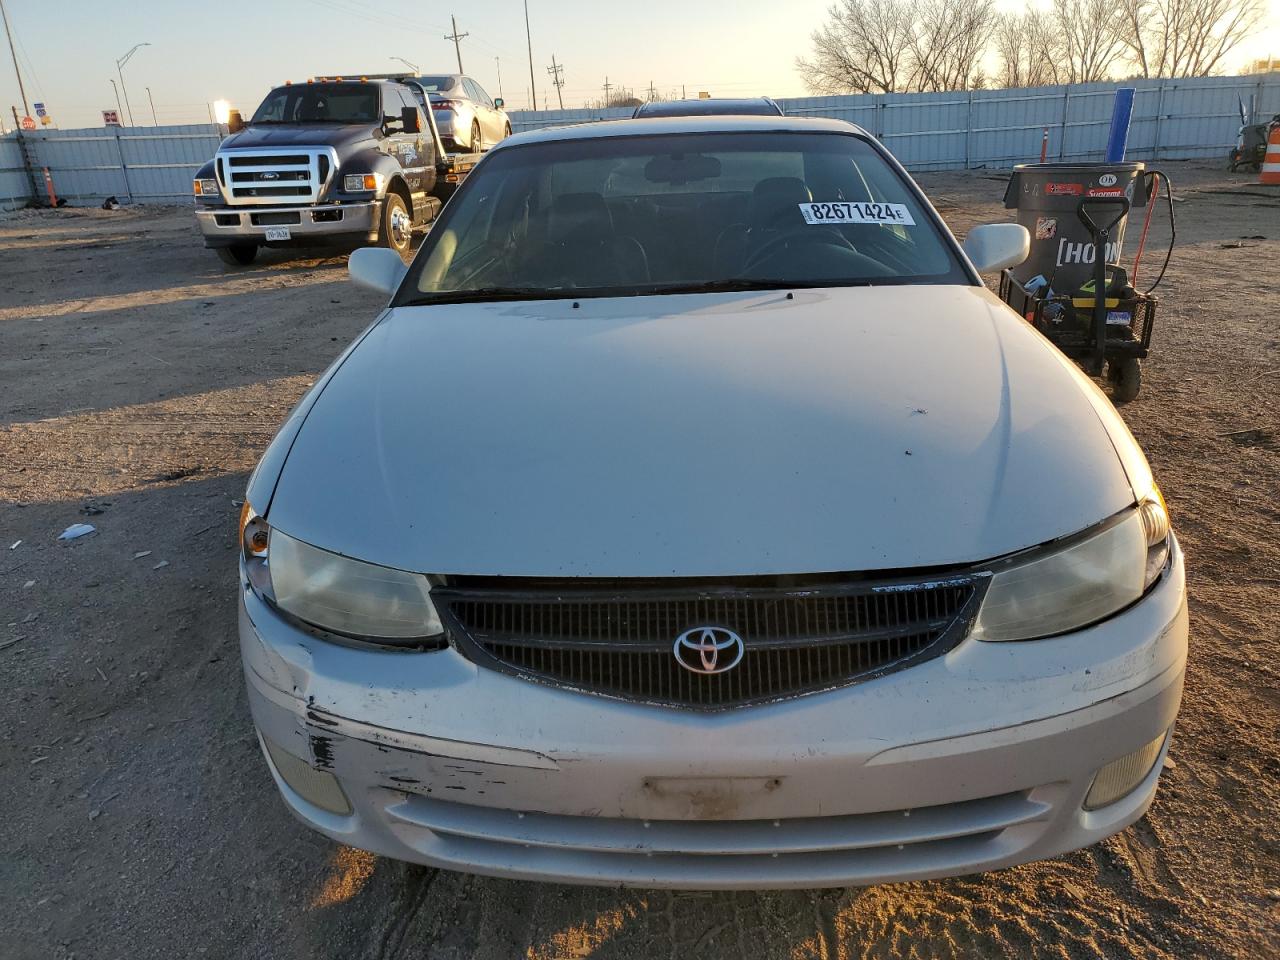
(236, 50)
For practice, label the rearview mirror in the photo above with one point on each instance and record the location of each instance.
(995, 246)
(377, 268)
(499, 103)
(681, 168)
(409, 119)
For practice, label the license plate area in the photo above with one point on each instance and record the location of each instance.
(278, 233)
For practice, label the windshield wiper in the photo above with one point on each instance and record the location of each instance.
(729, 285)
(484, 294)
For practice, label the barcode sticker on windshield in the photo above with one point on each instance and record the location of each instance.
(844, 212)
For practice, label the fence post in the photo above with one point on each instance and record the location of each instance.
(968, 128)
(1066, 109)
(124, 167)
(1155, 147)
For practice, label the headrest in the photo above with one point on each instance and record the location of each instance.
(579, 217)
(777, 199)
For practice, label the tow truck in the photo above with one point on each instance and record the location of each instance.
(343, 161)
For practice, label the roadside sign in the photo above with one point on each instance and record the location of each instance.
(111, 118)
(28, 123)
(45, 119)
(39, 108)
(704, 94)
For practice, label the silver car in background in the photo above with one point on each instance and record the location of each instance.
(467, 116)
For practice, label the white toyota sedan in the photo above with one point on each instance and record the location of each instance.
(693, 517)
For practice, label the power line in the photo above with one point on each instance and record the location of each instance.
(557, 79)
(456, 37)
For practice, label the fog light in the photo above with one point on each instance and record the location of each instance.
(317, 787)
(1119, 778)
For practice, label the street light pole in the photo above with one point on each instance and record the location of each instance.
(26, 112)
(154, 121)
(119, 107)
(533, 84)
(120, 73)
(412, 66)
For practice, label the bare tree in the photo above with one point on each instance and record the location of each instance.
(863, 48)
(1184, 38)
(948, 41)
(1028, 47)
(1091, 32)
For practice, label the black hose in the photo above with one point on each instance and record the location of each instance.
(1173, 230)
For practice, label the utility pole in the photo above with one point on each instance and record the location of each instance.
(154, 121)
(456, 37)
(557, 79)
(498, 63)
(120, 73)
(119, 105)
(607, 87)
(26, 112)
(533, 84)
(653, 94)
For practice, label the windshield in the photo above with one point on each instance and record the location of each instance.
(680, 213)
(438, 84)
(321, 103)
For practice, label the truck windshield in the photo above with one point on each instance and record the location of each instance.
(321, 103)
(678, 213)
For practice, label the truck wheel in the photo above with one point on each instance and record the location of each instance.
(477, 141)
(1125, 377)
(397, 227)
(238, 254)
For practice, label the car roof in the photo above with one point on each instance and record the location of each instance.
(718, 123)
(704, 106)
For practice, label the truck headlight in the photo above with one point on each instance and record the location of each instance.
(360, 182)
(1094, 576)
(207, 188)
(349, 597)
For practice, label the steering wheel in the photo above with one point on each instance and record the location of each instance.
(827, 237)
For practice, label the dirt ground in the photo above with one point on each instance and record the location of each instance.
(139, 382)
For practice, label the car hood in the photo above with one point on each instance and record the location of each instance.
(300, 135)
(869, 428)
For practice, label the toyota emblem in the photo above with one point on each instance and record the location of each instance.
(709, 650)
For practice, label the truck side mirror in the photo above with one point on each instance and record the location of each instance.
(410, 120)
(235, 122)
(499, 103)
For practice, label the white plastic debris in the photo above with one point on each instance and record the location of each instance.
(28, 585)
(77, 530)
(141, 553)
(15, 545)
(162, 563)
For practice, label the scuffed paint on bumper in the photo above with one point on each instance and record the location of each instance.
(977, 760)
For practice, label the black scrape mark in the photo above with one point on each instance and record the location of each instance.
(321, 718)
(322, 751)
(404, 780)
(450, 786)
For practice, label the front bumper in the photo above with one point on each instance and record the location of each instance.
(225, 226)
(977, 760)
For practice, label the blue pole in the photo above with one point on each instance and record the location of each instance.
(1121, 113)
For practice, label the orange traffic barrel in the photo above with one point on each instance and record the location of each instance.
(1271, 163)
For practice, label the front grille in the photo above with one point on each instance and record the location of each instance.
(250, 175)
(621, 642)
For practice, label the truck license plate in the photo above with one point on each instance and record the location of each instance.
(278, 233)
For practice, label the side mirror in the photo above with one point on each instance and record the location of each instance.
(235, 122)
(995, 246)
(409, 119)
(499, 103)
(377, 268)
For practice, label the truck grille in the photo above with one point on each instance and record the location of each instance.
(261, 176)
(621, 642)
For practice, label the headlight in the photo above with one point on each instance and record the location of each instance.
(360, 182)
(1088, 580)
(207, 188)
(335, 593)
